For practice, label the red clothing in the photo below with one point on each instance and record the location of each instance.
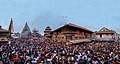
(18, 55)
(13, 57)
(114, 63)
(38, 60)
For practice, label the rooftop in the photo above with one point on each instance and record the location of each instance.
(105, 30)
(75, 26)
(3, 30)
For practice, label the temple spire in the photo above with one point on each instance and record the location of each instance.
(26, 27)
(11, 29)
(26, 31)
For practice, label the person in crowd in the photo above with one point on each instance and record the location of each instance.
(57, 53)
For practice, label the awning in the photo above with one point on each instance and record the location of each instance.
(80, 41)
(15, 36)
(3, 39)
(60, 35)
(78, 35)
(98, 40)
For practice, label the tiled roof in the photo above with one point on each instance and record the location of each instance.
(105, 30)
(3, 30)
(3, 39)
(76, 26)
(80, 27)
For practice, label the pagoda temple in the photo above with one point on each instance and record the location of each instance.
(36, 36)
(26, 33)
(70, 32)
(4, 34)
(11, 29)
(47, 32)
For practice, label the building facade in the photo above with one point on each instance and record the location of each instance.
(47, 32)
(28, 36)
(4, 36)
(106, 34)
(26, 33)
(70, 32)
(36, 36)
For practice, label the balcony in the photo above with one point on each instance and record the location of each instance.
(70, 32)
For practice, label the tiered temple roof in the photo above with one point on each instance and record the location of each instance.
(26, 31)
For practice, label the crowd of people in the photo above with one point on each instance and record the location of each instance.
(57, 53)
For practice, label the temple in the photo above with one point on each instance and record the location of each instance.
(106, 34)
(70, 32)
(36, 35)
(26, 33)
(33, 36)
(4, 34)
(11, 29)
(47, 32)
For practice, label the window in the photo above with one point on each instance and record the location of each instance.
(100, 35)
(2, 39)
(76, 37)
(69, 37)
(80, 38)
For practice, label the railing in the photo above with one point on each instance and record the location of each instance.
(70, 32)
